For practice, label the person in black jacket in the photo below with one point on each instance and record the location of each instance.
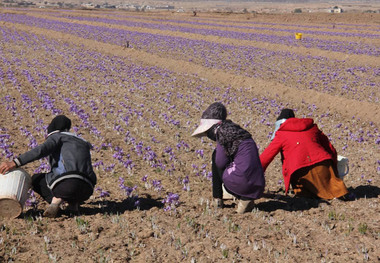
(71, 178)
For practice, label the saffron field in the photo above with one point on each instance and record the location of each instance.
(135, 86)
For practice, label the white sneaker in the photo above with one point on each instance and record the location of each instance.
(245, 206)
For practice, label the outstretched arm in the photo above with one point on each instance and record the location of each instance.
(270, 152)
(38, 152)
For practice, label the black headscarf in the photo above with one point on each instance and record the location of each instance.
(229, 135)
(59, 123)
(211, 133)
(286, 114)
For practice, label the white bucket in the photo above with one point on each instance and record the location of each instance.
(343, 167)
(14, 188)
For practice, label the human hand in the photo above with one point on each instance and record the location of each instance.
(6, 166)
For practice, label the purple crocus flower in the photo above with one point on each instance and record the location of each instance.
(171, 202)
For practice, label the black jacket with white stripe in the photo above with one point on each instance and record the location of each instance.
(69, 157)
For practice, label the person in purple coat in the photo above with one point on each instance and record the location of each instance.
(235, 161)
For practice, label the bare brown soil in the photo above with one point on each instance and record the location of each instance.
(110, 229)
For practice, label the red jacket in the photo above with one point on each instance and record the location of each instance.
(301, 144)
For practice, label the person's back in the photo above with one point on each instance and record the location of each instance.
(72, 157)
(302, 144)
(244, 176)
(308, 158)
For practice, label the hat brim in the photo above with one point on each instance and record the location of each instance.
(204, 126)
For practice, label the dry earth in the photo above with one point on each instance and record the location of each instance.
(131, 96)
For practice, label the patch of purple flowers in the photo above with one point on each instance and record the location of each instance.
(102, 193)
(171, 202)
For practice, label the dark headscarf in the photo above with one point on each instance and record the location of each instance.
(286, 114)
(59, 123)
(215, 111)
(229, 135)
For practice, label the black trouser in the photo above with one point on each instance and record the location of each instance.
(71, 190)
(217, 181)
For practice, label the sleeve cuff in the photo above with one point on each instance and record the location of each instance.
(17, 162)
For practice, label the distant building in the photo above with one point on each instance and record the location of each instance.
(88, 6)
(12, 3)
(336, 9)
(167, 7)
(129, 7)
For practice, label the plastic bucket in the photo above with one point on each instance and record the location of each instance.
(14, 188)
(343, 167)
(298, 35)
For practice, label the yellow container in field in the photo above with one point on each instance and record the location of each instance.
(298, 35)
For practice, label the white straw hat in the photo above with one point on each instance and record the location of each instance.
(204, 126)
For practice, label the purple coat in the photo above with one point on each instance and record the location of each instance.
(243, 176)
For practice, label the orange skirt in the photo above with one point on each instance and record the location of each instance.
(318, 180)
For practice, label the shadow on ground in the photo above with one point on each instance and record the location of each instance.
(119, 207)
(105, 207)
(364, 191)
(274, 202)
(289, 203)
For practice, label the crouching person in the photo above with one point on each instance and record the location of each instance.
(235, 161)
(309, 160)
(71, 178)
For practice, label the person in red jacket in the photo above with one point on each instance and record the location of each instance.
(309, 160)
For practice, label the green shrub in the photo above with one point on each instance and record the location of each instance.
(363, 227)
